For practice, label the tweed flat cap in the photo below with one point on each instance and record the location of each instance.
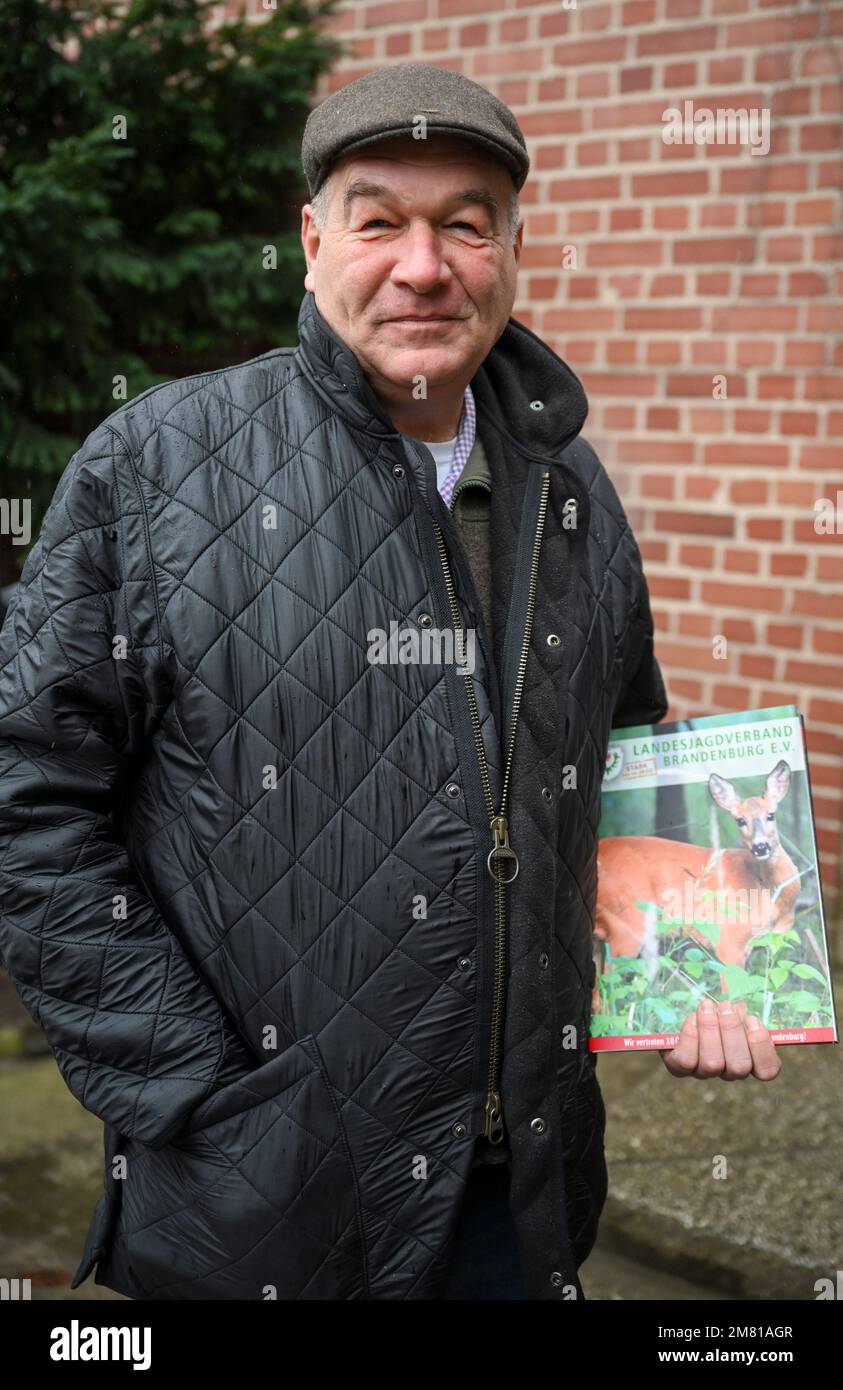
(389, 102)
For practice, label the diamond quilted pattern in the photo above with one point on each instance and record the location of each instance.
(235, 887)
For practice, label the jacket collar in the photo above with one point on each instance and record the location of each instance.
(517, 374)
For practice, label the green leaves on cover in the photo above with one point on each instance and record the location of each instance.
(656, 995)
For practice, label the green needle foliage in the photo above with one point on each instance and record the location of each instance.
(150, 190)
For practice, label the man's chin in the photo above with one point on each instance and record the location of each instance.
(438, 362)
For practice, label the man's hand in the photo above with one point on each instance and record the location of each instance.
(721, 1040)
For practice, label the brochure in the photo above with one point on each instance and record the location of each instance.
(708, 882)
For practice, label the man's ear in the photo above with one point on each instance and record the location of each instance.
(310, 244)
(518, 243)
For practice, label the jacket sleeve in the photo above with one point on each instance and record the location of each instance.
(643, 698)
(138, 1035)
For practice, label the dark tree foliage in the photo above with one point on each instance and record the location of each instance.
(148, 159)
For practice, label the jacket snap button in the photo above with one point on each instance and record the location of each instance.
(537, 405)
(452, 789)
(538, 1125)
(547, 793)
(553, 639)
(398, 470)
(464, 962)
(459, 1130)
(556, 1279)
(544, 960)
(425, 620)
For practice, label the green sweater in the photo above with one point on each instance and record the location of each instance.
(470, 504)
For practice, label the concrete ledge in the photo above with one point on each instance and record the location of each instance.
(773, 1223)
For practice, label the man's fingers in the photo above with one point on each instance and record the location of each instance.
(711, 1061)
(723, 1040)
(736, 1053)
(683, 1058)
(762, 1049)
(766, 1063)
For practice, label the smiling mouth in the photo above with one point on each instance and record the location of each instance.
(427, 318)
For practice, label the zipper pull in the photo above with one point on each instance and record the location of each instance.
(494, 1130)
(501, 849)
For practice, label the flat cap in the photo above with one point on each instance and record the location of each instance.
(393, 100)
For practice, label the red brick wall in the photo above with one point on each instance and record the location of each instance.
(693, 261)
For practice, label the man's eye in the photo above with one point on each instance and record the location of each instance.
(373, 222)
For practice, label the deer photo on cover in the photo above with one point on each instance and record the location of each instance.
(755, 886)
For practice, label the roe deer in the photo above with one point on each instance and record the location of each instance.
(759, 882)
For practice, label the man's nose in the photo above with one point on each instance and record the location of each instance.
(419, 260)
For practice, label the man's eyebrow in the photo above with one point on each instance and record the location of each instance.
(364, 188)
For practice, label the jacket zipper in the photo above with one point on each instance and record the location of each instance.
(502, 857)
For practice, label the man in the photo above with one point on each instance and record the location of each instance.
(305, 913)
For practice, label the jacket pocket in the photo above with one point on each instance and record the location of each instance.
(257, 1198)
(96, 1239)
(105, 1214)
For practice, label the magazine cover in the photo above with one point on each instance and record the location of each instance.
(708, 881)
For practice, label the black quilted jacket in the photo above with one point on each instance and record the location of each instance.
(245, 888)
